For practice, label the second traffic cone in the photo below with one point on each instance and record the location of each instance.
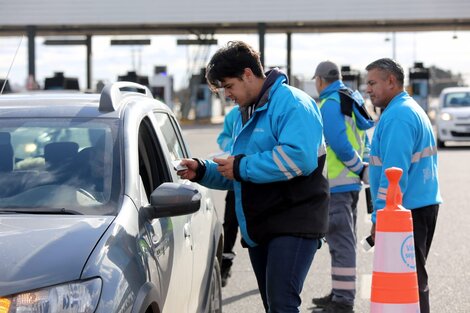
(394, 279)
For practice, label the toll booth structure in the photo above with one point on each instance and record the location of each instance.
(202, 99)
(132, 76)
(161, 85)
(60, 82)
(419, 85)
(351, 78)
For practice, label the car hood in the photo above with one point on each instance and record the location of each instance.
(43, 250)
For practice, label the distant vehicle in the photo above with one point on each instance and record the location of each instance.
(93, 217)
(453, 115)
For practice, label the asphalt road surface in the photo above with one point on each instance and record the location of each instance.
(448, 262)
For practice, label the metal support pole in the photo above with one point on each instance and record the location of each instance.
(88, 62)
(289, 60)
(31, 31)
(262, 33)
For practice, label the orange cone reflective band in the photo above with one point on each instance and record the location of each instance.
(394, 280)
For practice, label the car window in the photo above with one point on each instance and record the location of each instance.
(58, 163)
(170, 132)
(152, 165)
(457, 99)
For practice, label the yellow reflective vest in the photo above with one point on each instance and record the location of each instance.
(343, 174)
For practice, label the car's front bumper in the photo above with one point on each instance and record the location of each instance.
(453, 131)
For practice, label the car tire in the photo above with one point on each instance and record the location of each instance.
(215, 292)
(440, 143)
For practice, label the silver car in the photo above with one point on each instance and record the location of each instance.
(93, 217)
(453, 115)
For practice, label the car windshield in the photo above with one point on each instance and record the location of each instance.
(457, 99)
(65, 166)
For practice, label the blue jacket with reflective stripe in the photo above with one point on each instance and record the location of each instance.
(334, 127)
(404, 138)
(281, 151)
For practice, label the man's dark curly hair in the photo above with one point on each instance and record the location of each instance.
(230, 61)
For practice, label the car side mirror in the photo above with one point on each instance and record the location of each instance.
(173, 199)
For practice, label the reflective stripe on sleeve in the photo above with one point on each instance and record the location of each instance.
(422, 154)
(289, 161)
(382, 193)
(353, 161)
(417, 156)
(356, 168)
(281, 167)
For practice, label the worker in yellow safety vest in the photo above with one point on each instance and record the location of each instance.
(345, 121)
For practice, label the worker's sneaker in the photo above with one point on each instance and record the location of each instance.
(225, 270)
(225, 276)
(323, 301)
(336, 307)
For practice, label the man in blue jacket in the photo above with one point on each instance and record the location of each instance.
(404, 138)
(345, 120)
(275, 169)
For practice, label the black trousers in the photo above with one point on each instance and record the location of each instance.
(424, 224)
(230, 222)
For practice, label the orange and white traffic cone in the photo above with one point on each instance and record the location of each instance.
(394, 279)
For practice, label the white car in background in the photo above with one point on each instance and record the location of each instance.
(453, 115)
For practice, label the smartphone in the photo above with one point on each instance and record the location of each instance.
(178, 166)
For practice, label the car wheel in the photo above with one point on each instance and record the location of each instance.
(215, 293)
(440, 143)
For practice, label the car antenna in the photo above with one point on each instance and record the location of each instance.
(11, 65)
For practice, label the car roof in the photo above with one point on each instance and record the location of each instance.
(49, 105)
(455, 89)
(73, 104)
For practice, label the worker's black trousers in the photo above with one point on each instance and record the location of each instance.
(424, 224)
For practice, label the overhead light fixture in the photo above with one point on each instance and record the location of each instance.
(65, 42)
(130, 42)
(199, 41)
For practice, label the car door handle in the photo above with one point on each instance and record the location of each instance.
(187, 230)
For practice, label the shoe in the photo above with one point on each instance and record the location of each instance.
(323, 301)
(225, 270)
(336, 307)
(225, 275)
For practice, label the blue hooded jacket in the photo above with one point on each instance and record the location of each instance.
(280, 187)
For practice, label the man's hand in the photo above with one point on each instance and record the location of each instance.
(225, 167)
(365, 173)
(190, 172)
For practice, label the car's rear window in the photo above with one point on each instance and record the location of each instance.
(457, 99)
(49, 164)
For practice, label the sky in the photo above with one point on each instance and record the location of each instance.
(446, 50)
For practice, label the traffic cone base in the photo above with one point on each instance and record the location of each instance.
(394, 288)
